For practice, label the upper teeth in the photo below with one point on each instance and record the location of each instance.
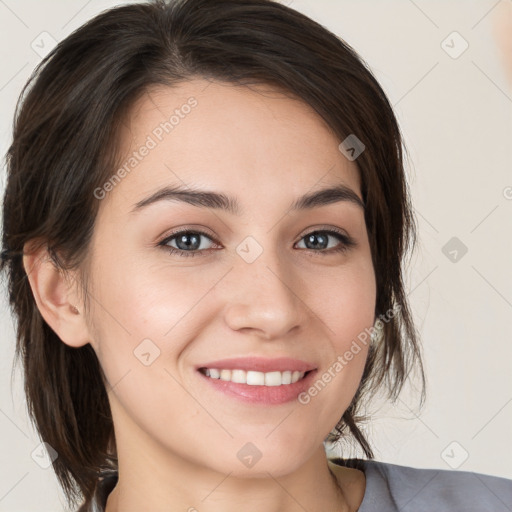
(255, 378)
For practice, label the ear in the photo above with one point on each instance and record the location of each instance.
(56, 295)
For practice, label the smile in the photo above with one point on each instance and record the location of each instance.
(254, 378)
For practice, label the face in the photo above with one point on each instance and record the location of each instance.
(178, 285)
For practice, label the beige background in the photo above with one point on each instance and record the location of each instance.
(456, 115)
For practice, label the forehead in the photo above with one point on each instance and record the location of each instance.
(253, 142)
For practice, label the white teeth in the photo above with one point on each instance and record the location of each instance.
(253, 378)
(214, 374)
(238, 376)
(286, 378)
(225, 375)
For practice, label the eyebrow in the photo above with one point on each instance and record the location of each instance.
(220, 201)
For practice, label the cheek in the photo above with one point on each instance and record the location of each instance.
(142, 299)
(345, 303)
(345, 300)
(146, 317)
(136, 310)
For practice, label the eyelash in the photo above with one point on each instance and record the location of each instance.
(346, 243)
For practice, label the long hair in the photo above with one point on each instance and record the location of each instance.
(64, 146)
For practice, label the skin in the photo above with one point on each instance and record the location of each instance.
(177, 438)
(502, 31)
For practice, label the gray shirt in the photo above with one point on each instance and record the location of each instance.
(393, 488)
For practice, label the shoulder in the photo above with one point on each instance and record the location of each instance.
(391, 487)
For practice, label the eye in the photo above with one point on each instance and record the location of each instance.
(188, 242)
(320, 239)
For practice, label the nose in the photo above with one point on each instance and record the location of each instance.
(264, 296)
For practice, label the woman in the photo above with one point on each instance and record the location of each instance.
(209, 203)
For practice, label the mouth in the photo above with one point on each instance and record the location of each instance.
(255, 378)
(255, 388)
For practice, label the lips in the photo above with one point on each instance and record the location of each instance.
(260, 364)
(261, 395)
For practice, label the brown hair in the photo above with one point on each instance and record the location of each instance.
(64, 146)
